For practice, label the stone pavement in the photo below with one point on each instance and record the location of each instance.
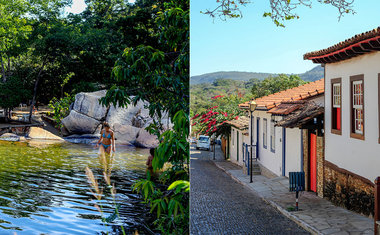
(316, 215)
(220, 205)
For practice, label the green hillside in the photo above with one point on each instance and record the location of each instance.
(312, 75)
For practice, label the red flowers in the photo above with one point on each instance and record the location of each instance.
(213, 119)
(216, 97)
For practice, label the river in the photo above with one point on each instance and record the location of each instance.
(44, 189)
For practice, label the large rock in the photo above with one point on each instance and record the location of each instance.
(146, 140)
(125, 134)
(88, 104)
(9, 137)
(79, 123)
(124, 116)
(83, 139)
(86, 115)
(40, 133)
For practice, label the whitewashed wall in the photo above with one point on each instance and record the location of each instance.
(293, 150)
(358, 156)
(234, 147)
(271, 161)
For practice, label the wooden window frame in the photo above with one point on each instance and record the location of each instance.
(273, 140)
(335, 81)
(352, 129)
(265, 133)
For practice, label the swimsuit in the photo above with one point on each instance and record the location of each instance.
(105, 145)
(108, 137)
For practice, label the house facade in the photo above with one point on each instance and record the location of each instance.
(352, 119)
(279, 150)
(238, 139)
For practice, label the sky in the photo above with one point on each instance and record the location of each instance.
(254, 44)
(78, 6)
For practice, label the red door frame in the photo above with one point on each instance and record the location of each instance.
(313, 161)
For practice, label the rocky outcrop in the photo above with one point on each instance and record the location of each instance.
(146, 140)
(40, 133)
(128, 124)
(88, 104)
(9, 137)
(78, 123)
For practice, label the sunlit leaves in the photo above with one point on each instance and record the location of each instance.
(281, 10)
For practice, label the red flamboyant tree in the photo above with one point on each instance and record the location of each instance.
(212, 120)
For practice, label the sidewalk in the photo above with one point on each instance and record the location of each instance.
(316, 215)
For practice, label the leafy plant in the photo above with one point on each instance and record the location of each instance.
(61, 108)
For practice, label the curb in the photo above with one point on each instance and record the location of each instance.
(301, 223)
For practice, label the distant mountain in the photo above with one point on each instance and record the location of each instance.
(314, 74)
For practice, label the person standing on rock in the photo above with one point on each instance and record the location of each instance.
(107, 139)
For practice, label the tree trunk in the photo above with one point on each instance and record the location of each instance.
(35, 92)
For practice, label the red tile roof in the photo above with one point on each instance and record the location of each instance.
(357, 45)
(302, 92)
(242, 123)
(287, 107)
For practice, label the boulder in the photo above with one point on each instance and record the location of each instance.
(125, 134)
(64, 131)
(146, 140)
(9, 137)
(124, 116)
(88, 104)
(80, 123)
(83, 139)
(40, 133)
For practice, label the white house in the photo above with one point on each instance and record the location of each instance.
(238, 139)
(280, 150)
(352, 119)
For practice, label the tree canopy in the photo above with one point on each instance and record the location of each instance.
(272, 85)
(280, 10)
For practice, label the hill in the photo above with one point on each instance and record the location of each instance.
(312, 75)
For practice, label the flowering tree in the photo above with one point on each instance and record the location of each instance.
(212, 120)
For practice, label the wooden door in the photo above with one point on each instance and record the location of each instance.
(313, 162)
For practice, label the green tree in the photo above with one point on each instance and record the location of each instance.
(272, 85)
(281, 10)
(158, 72)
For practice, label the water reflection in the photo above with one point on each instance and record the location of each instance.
(44, 189)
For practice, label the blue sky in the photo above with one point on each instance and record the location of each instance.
(254, 44)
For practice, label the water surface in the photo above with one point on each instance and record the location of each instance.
(44, 189)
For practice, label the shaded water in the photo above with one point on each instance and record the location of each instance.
(44, 189)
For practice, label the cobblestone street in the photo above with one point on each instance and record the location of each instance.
(220, 205)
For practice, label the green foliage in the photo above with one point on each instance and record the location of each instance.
(200, 98)
(13, 92)
(157, 73)
(174, 147)
(275, 84)
(281, 10)
(61, 108)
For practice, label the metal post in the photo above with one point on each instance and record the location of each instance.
(214, 148)
(251, 150)
(377, 203)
